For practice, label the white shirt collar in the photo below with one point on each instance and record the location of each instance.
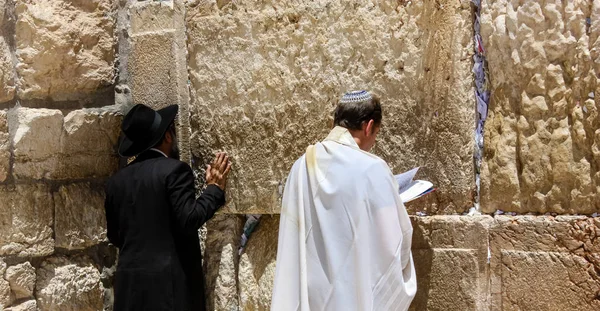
(154, 149)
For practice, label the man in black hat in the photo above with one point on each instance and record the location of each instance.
(153, 216)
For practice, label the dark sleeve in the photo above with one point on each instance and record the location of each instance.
(188, 213)
(112, 229)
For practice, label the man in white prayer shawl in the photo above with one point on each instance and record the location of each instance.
(344, 234)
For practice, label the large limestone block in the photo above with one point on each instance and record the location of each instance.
(64, 49)
(157, 61)
(153, 59)
(88, 143)
(151, 64)
(447, 279)
(221, 260)
(559, 256)
(22, 279)
(152, 16)
(560, 282)
(6, 297)
(69, 284)
(451, 262)
(541, 137)
(80, 220)
(80, 145)
(4, 146)
(35, 135)
(7, 80)
(265, 78)
(26, 220)
(257, 266)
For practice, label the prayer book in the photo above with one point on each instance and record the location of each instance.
(410, 189)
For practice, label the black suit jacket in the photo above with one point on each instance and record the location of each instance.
(153, 218)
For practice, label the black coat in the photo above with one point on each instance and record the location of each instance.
(153, 218)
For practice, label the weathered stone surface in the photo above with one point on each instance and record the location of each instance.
(266, 77)
(157, 61)
(4, 146)
(448, 279)
(7, 81)
(451, 261)
(26, 219)
(29, 305)
(80, 220)
(559, 256)
(69, 284)
(542, 134)
(157, 54)
(222, 241)
(257, 266)
(151, 65)
(82, 145)
(152, 16)
(35, 135)
(466, 232)
(88, 143)
(65, 49)
(22, 279)
(6, 296)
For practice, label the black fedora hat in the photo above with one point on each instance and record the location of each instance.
(144, 128)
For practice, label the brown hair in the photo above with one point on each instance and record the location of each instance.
(351, 115)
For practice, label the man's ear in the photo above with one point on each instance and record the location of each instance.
(369, 129)
(168, 137)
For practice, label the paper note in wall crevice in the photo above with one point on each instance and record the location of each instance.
(410, 189)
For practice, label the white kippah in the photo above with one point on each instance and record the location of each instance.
(355, 97)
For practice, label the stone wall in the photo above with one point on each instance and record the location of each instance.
(59, 126)
(462, 263)
(542, 137)
(265, 77)
(259, 79)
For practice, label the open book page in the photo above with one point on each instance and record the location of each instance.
(410, 189)
(417, 189)
(405, 179)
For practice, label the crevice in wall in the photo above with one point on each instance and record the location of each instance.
(101, 98)
(482, 97)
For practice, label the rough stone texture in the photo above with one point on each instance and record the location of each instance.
(65, 49)
(4, 146)
(222, 241)
(462, 263)
(265, 78)
(82, 145)
(35, 135)
(545, 263)
(257, 266)
(29, 305)
(69, 284)
(6, 296)
(26, 219)
(7, 70)
(88, 143)
(80, 221)
(542, 137)
(157, 60)
(7, 81)
(451, 261)
(22, 279)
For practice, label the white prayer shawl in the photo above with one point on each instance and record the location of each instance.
(344, 234)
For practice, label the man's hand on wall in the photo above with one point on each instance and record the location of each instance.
(217, 171)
